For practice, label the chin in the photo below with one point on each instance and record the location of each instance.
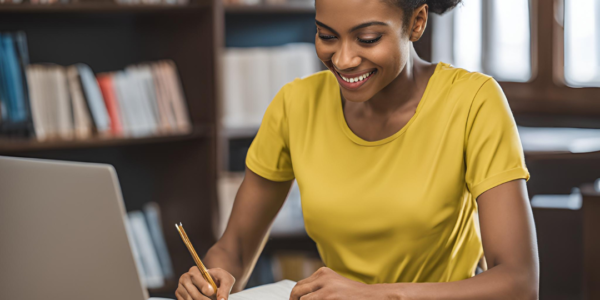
(355, 96)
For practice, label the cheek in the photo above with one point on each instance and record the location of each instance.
(323, 52)
(389, 56)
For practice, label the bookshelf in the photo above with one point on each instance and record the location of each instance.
(270, 9)
(177, 171)
(100, 6)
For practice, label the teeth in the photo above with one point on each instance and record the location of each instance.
(357, 79)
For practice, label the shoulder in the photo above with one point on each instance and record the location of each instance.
(471, 88)
(461, 79)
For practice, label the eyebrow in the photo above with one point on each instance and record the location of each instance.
(357, 27)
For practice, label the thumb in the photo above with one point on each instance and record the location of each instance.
(225, 283)
(207, 290)
(224, 290)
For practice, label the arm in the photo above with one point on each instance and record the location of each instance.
(256, 204)
(509, 244)
(510, 248)
(231, 260)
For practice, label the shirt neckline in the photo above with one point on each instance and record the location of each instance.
(358, 140)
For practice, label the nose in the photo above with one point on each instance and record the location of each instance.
(345, 57)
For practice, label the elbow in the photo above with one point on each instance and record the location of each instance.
(525, 285)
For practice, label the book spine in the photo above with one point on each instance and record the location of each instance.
(105, 83)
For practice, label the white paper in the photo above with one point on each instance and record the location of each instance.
(274, 291)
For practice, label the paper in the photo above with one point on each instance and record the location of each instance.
(274, 291)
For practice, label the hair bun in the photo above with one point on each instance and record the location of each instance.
(441, 6)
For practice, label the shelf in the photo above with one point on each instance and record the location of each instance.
(106, 7)
(240, 132)
(270, 9)
(13, 146)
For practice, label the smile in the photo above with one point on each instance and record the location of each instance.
(355, 81)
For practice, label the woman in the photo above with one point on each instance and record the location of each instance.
(393, 157)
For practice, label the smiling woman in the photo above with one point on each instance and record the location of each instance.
(394, 156)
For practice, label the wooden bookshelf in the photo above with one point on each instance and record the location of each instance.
(270, 9)
(109, 7)
(22, 146)
(179, 171)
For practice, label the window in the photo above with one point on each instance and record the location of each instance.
(582, 43)
(489, 36)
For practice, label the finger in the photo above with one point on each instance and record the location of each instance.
(224, 281)
(193, 291)
(181, 293)
(318, 295)
(198, 280)
(300, 290)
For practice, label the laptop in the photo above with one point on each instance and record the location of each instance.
(62, 233)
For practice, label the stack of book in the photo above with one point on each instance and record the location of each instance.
(50, 102)
(148, 246)
(308, 3)
(152, 2)
(253, 76)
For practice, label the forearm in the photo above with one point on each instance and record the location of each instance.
(500, 282)
(221, 257)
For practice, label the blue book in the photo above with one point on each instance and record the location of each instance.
(13, 80)
(23, 54)
(3, 88)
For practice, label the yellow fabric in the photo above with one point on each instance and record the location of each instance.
(399, 209)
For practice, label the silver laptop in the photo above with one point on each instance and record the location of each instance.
(62, 233)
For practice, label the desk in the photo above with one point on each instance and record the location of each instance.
(569, 249)
(591, 242)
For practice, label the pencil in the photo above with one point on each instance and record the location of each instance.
(199, 263)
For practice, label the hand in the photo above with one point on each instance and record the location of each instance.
(192, 285)
(327, 284)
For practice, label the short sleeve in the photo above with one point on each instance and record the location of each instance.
(269, 154)
(493, 151)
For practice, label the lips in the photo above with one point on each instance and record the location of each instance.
(361, 78)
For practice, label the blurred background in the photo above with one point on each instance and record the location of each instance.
(172, 92)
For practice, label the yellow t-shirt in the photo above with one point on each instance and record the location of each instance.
(398, 209)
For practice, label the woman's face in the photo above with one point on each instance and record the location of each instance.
(363, 43)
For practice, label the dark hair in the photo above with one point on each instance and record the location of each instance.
(435, 6)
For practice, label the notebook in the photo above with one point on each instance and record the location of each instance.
(275, 291)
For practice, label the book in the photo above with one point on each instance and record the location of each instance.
(176, 96)
(274, 291)
(143, 98)
(50, 101)
(152, 213)
(59, 90)
(253, 76)
(148, 259)
(13, 80)
(94, 99)
(81, 116)
(105, 82)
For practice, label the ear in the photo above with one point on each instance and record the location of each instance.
(419, 22)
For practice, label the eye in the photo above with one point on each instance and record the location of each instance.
(369, 41)
(326, 37)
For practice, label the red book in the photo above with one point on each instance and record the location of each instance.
(112, 105)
